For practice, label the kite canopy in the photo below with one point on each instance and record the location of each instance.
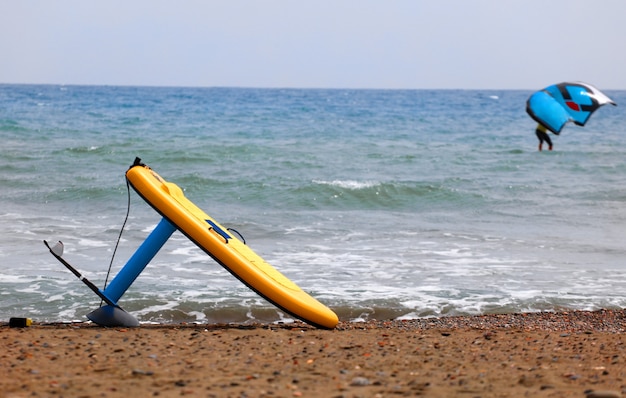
(565, 102)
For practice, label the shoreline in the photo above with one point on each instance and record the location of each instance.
(547, 354)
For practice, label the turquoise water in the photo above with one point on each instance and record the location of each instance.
(379, 203)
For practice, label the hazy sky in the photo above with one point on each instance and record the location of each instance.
(483, 44)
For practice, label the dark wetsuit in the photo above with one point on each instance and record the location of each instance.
(542, 134)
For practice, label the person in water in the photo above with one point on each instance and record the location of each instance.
(542, 134)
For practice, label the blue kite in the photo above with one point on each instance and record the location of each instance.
(558, 104)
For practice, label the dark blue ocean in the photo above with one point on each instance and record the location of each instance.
(382, 204)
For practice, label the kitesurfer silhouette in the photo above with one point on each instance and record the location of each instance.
(542, 134)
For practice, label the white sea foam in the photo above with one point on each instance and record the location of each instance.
(347, 184)
(92, 243)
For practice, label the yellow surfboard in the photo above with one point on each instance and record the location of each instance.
(168, 199)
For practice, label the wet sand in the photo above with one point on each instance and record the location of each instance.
(567, 354)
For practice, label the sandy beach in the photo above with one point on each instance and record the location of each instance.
(566, 354)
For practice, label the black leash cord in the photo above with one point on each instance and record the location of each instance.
(119, 236)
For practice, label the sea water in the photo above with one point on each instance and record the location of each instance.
(382, 204)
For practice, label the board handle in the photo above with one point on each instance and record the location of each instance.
(215, 228)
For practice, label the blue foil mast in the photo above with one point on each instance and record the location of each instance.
(110, 315)
(558, 104)
(136, 264)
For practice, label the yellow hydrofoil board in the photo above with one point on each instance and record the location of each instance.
(168, 200)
